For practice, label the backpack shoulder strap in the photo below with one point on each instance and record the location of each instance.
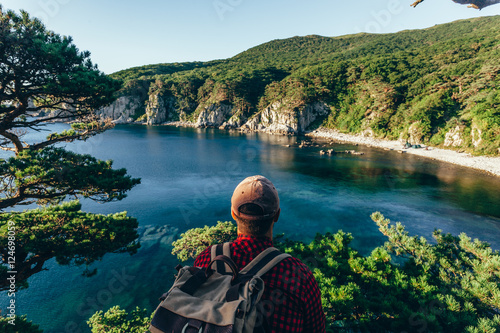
(266, 260)
(217, 250)
(260, 265)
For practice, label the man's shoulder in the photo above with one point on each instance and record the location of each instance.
(297, 265)
(203, 259)
(288, 264)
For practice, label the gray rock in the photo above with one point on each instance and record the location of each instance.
(152, 234)
(121, 110)
(214, 115)
(276, 118)
(160, 109)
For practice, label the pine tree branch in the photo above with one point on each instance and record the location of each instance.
(14, 139)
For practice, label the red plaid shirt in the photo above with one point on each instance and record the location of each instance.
(291, 299)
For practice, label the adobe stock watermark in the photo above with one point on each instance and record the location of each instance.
(382, 18)
(222, 7)
(11, 272)
(86, 147)
(202, 196)
(116, 285)
(419, 321)
(50, 9)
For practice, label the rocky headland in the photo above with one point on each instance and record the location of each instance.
(277, 119)
(435, 86)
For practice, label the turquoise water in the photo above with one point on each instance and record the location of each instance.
(188, 176)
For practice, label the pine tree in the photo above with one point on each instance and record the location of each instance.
(43, 78)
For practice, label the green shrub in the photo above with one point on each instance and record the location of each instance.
(194, 241)
(18, 325)
(117, 320)
(409, 284)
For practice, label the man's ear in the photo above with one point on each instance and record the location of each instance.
(277, 216)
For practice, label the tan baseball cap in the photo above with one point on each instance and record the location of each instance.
(257, 190)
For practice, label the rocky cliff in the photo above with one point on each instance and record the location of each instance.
(124, 110)
(275, 118)
(436, 86)
(160, 109)
(214, 115)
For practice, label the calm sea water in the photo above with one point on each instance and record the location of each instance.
(188, 176)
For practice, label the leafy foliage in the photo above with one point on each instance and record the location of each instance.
(41, 70)
(44, 77)
(415, 85)
(461, 275)
(49, 175)
(21, 325)
(65, 233)
(450, 286)
(194, 241)
(116, 320)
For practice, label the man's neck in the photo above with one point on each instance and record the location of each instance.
(267, 235)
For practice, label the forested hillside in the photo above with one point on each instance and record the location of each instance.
(436, 86)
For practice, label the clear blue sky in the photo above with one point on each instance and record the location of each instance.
(123, 34)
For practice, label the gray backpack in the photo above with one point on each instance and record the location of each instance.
(218, 298)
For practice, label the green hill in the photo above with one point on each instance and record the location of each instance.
(436, 86)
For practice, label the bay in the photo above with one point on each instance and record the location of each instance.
(188, 176)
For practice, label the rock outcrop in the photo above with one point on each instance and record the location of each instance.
(234, 122)
(415, 132)
(476, 135)
(121, 110)
(153, 234)
(160, 109)
(214, 115)
(275, 118)
(454, 137)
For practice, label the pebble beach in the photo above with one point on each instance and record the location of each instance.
(487, 164)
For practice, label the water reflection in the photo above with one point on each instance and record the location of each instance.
(327, 193)
(188, 176)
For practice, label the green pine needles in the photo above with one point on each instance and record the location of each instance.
(194, 241)
(408, 285)
(45, 78)
(65, 233)
(460, 277)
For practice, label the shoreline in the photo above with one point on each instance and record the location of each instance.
(490, 165)
(487, 164)
(179, 123)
